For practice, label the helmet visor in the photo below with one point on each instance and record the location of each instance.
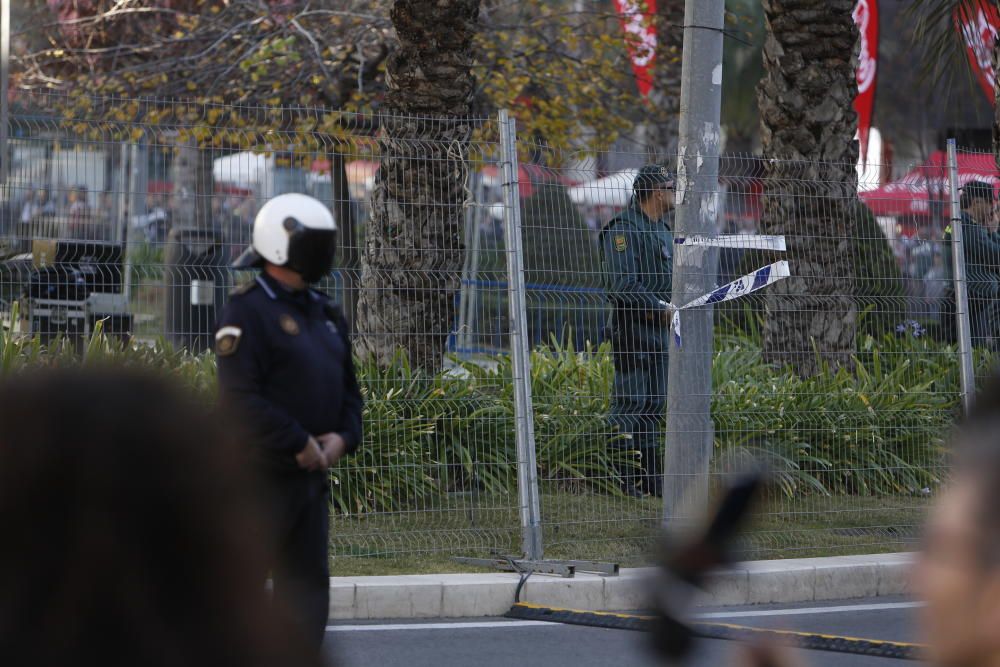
(311, 252)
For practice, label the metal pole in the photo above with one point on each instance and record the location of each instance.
(961, 284)
(689, 396)
(4, 83)
(527, 470)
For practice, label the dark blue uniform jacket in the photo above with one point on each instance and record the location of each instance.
(285, 365)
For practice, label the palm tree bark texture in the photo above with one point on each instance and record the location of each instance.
(810, 186)
(413, 251)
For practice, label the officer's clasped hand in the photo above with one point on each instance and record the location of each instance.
(311, 457)
(334, 447)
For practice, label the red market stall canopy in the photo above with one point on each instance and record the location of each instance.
(912, 194)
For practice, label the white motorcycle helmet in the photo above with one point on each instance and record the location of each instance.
(295, 231)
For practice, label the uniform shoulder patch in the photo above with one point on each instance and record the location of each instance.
(227, 340)
(244, 288)
(621, 243)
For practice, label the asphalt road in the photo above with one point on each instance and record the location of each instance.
(498, 642)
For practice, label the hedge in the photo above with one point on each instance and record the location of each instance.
(878, 430)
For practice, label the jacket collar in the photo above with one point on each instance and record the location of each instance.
(278, 292)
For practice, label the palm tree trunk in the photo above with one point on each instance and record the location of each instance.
(413, 254)
(807, 128)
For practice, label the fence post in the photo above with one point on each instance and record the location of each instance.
(960, 283)
(527, 470)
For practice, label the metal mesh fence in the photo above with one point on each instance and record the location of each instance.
(842, 378)
(129, 213)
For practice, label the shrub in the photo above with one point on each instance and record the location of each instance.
(876, 430)
(571, 394)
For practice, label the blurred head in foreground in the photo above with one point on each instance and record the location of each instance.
(958, 573)
(128, 537)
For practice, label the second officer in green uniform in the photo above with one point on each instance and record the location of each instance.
(637, 247)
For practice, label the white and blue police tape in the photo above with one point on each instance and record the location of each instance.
(742, 286)
(741, 241)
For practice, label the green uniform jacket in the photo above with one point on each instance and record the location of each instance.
(638, 258)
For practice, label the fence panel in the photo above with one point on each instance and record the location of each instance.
(854, 437)
(150, 201)
(130, 212)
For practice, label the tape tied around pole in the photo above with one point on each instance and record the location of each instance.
(740, 241)
(740, 287)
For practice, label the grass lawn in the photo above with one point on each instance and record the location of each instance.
(598, 527)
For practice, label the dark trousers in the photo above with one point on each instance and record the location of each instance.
(300, 513)
(638, 405)
(983, 320)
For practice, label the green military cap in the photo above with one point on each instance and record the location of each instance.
(651, 177)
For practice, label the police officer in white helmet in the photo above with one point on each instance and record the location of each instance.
(285, 365)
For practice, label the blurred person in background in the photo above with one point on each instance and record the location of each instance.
(982, 264)
(637, 247)
(922, 252)
(935, 287)
(156, 221)
(103, 217)
(79, 215)
(28, 207)
(38, 206)
(958, 571)
(129, 536)
(285, 364)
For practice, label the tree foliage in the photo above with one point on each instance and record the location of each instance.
(564, 71)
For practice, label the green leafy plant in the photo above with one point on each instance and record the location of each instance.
(571, 394)
(875, 430)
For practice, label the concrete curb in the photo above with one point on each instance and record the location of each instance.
(758, 582)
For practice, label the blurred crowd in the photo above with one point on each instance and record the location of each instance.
(920, 251)
(76, 213)
(232, 216)
(71, 212)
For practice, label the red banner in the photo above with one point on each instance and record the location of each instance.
(978, 21)
(637, 22)
(866, 17)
